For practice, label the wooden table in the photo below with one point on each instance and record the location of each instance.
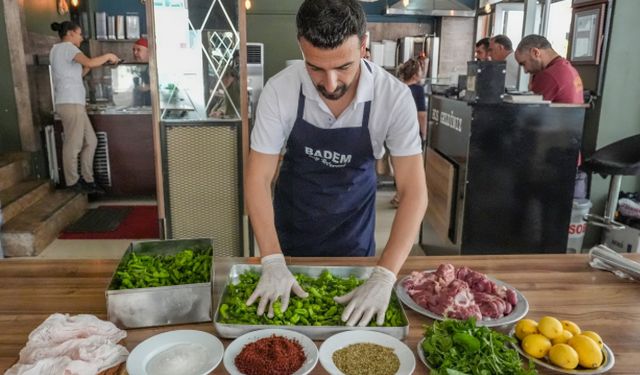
(560, 285)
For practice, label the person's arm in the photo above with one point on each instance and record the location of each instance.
(372, 297)
(260, 171)
(412, 190)
(276, 281)
(544, 84)
(85, 71)
(95, 62)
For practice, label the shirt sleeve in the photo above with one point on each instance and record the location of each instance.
(70, 52)
(403, 137)
(268, 134)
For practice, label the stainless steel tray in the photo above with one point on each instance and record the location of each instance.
(165, 305)
(314, 332)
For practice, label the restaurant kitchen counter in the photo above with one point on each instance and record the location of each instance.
(564, 286)
(113, 110)
(124, 161)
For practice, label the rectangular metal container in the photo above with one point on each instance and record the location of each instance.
(165, 305)
(313, 332)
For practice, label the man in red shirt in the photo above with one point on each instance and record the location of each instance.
(553, 76)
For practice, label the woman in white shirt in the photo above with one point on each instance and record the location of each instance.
(68, 66)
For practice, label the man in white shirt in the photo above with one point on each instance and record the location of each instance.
(501, 49)
(332, 112)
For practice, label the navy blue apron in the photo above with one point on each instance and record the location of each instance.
(324, 199)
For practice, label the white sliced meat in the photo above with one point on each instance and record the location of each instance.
(59, 328)
(97, 350)
(54, 366)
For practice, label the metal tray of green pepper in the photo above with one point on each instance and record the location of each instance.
(316, 316)
(162, 282)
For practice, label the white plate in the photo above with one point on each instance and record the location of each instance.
(607, 363)
(344, 339)
(310, 349)
(519, 310)
(167, 343)
(421, 353)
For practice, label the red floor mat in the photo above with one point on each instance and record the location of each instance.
(142, 222)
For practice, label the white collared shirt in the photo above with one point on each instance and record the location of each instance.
(511, 80)
(393, 117)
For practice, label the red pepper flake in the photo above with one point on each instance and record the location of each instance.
(275, 355)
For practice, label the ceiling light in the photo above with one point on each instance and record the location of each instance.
(247, 4)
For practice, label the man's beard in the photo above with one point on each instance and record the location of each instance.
(336, 94)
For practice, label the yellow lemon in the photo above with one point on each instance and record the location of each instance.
(571, 327)
(526, 327)
(594, 336)
(589, 354)
(550, 327)
(536, 345)
(564, 356)
(563, 338)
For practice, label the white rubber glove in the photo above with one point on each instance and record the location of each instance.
(275, 282)
(368, 299)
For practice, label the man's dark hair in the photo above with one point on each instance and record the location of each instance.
(533, 41)
(484, 42)
(328, 23)
(504, 41)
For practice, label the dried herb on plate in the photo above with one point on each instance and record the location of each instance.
(366, 359)
(458, 347)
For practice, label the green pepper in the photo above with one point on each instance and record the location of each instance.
(319, 309)
(186, 267)
(467, 341)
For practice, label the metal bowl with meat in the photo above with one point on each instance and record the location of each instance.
(462, 293)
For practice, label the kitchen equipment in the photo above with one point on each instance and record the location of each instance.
(440, 88)
(408, 47)
(101, 25)
(120, 27)
(389, 54)
(111, 27)
(84, 24)
(604, 258)
(485, 81)
(377, 53)
(432, 49)
(148, 307)
(132, 26)
(314, 332)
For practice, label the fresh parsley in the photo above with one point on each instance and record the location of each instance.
(458, 347)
